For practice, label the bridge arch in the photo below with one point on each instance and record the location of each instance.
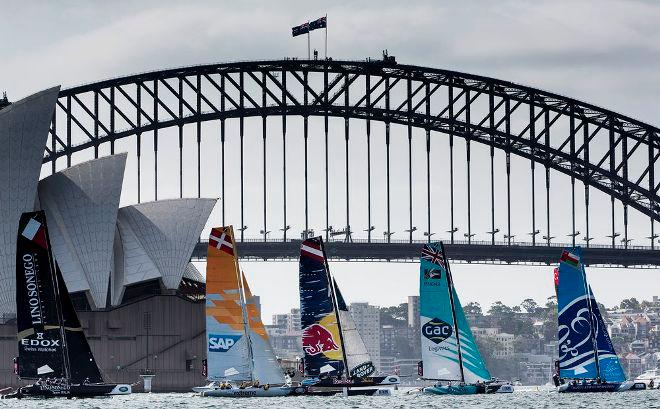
(613, 153)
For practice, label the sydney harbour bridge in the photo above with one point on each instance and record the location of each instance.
(267, 137)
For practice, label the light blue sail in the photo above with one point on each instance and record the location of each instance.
(581, 329)
(440, 354)
(473, 364)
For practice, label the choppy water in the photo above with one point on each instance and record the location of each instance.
(518, 400)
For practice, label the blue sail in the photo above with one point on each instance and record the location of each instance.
(581, 329)
(321, 338)
(610, 367)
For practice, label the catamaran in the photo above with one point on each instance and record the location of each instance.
(449, 352)
(240, 360)
(52, 348)
(587, 359)
(335, 354)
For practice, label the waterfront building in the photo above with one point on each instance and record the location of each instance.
(367, 322)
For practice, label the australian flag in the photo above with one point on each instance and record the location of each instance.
(318, 23)
(309, 26)
(300, 30)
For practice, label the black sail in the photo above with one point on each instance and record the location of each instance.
(40, 339)
(82, 366)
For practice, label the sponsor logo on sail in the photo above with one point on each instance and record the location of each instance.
(363, 370)
(437, 330)
(222, 343)
(317, 339)
(433, 274)
(32, 288)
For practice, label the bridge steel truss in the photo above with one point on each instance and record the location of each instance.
(602, 149)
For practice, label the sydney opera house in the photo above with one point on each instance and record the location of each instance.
(127, 268)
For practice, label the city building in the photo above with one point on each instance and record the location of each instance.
(367, 322)
(413, 311)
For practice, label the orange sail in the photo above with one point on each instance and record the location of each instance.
(228, 343)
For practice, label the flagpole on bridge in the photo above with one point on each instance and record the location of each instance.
(308, 55)
(325, 51)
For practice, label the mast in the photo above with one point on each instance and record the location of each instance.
(335, 306)
(450, 286)
(592, 333)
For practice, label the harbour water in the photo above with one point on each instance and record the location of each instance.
(518, 400)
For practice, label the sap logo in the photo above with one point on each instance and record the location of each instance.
(222, 343)
(437, 330)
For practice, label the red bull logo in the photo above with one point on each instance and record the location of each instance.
(317, 339)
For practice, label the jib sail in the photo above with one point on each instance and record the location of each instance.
(357, 356)
(266, 368)
(82, 365)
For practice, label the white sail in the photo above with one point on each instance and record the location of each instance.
(265, 369)
(357, 357)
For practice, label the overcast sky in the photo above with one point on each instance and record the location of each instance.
(603, 52)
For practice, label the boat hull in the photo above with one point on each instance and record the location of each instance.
(261, 392)
(70, 391)
(349, 392)
(355, 382)
(590, 387)
(453, 390)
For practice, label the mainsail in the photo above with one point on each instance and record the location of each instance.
(228, 355)
(40, 338)
(51, 340)
(321, 332)
(266, 368)
(357, 356)
(585, 349)
(444, 356)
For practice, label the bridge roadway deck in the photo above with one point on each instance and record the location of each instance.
(524, 253)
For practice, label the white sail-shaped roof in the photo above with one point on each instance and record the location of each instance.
(23, 133)
(81, 205)
(192, 273)
(157, 240)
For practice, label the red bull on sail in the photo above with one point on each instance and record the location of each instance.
(317, 339)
